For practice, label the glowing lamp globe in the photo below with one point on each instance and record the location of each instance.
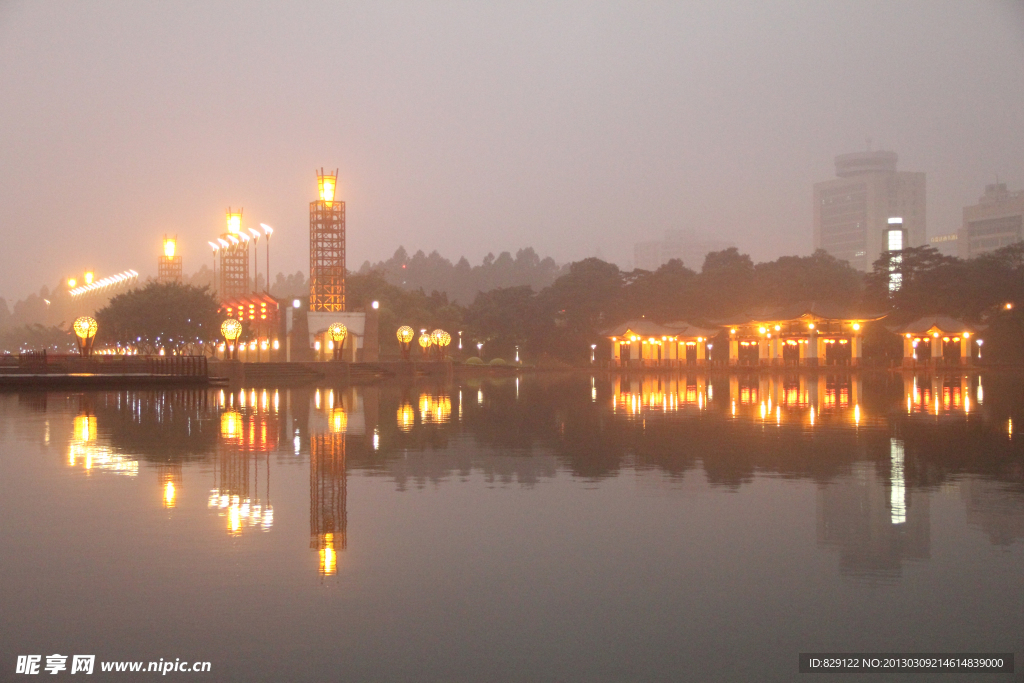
(405, 334)
(441, 338)
(425, 340)
(231, 329)
(85, 327)
(337, 332)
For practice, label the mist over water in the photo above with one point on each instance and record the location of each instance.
(655, 527)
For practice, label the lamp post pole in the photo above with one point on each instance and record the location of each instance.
(268, 231)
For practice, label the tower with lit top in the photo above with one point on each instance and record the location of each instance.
(327, 248)
(234, 258)
(168, 267)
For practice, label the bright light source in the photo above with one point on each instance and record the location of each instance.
(267, 230)
(72, 282)
(375, 305)
(296, 303)
(327, 183)
(234, 221)
(896, 220)
(88, 277)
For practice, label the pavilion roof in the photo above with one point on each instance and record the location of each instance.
(641, 327)
(819, 310)
(648, 328)
(937, 323)
(681, 328)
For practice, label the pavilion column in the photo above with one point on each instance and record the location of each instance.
(936, 349)
(965, 349)
(775, 350)
(734, 351)
(821, 351)
(762, 351)
(616, 353)
(809, 350)
(908, 351)
(856, 349)
(701, 352)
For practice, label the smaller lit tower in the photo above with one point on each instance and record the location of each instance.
(168, 268)
(327, 248)
(234, 259)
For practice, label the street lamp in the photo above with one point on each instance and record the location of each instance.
(479, 350)
(216, 248)
(517, 353)
(337, 332)
(425, 342)
(460, 340)
(405, 335)
(232, 330)
(85, 330)
(593, 351)
(268, 231)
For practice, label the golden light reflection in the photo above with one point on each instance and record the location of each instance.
(169, 494)
(406, 417)
(328, 557)
(338, 420)
(85, 450)
(230, 424)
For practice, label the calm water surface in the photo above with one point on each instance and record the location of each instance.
(572, 528)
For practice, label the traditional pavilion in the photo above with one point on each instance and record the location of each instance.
(804, 334)
(938, 339)
(644, 343)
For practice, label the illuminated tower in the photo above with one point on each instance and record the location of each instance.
(327, 248)
(328, 516)
(168, 268)
(234, 259)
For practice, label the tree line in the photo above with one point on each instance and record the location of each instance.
(559, 321)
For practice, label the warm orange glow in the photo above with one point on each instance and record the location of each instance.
(405, 334)
(425, 340)
(169, 246)
(328, 558)
(406, 417)
(337, 332)
(72, 282)
(85, 327)
(231, 329)
(88, 277)
(169, 494)
(235, 222)
(326, 183)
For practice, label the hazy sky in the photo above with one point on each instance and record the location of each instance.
(477, 126)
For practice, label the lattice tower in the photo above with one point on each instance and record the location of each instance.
(327, 249)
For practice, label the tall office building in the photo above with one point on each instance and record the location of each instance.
(686, 246)
(852, 211)
(997, 220)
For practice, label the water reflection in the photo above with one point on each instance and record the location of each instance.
(875, 446)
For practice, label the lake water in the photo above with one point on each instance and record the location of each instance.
(545, 528)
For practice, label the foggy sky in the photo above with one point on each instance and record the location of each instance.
(474, 127)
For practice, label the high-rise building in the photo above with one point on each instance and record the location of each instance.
(997, 220)
(685, 246)
(852, 211)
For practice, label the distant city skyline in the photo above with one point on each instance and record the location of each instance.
(572, 129)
